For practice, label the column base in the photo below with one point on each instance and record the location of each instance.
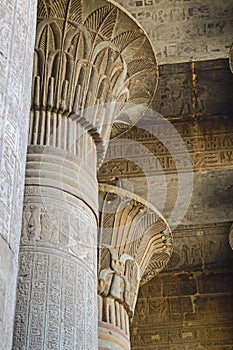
(112, 337)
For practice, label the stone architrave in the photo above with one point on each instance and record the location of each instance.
(17, 35)
(87, 74)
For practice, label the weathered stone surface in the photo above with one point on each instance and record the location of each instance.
(164, 161)
(17, 33)
(185, 30)
(200, 88)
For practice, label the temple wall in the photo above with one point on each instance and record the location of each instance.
(185, 311)
(17, 31)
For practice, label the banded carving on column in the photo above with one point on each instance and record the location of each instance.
(231, 58)
(135, 244)
(93, 64)
(231, 237)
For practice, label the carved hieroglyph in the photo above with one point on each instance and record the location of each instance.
(93, 65)
(135, 244)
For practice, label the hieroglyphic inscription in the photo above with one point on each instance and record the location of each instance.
(141, 152)
(182, 30)
(57, 289)
(57, 278)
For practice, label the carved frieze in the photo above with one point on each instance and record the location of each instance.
(140, 152)
(207, 248)
(57, 274)
(57, 224)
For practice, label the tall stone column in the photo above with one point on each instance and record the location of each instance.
(17, 38)
(86, 67)
(135, 244)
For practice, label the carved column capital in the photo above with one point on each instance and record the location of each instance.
(88, 70)
(131, 226)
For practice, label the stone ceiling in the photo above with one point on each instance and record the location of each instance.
(185, 30)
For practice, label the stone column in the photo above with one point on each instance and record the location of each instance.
(118, 289)
(135, 244)
(17, 37)
(85, 71)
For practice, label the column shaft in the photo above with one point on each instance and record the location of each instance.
(56, 306)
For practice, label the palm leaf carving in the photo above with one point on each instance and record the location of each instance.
(125, 39)
(137, 66)
(58, 9)
(76, 11)
(42, 9)
(102, 21)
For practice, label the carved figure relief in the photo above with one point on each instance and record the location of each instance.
(120, 280)
(57, 228)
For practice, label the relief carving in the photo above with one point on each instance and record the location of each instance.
(57, 228)
(120, 280)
